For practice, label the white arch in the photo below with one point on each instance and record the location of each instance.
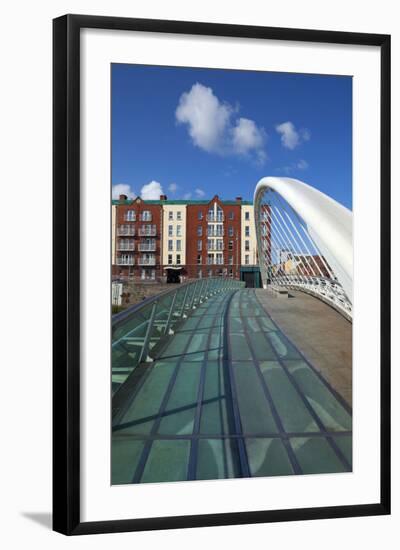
(328, 223)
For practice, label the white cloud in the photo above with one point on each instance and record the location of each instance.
(289, 136)
(199, 192)
(213, 127)
(299, 165)
(206, 117)
(122, 189)
(151, 191)
(247, 136)
(172, 187)
(187, 196)
(302, 164)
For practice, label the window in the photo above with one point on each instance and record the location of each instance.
(230, 231)
(199, 231)
(170, 244)
(170, 230)
(247, 216)
(178, 245)
(220, 244)
(219, 259)
(199, 274)
(169, 259)
(210, 259)
(210, 244)
(247, 231)
(247, 259)
(231, 215)
(146, 216)
(247, 245)
(230, 245)
(179, 215)
(230, 259)
(220, 214)
(230, 272)
(199, 258)
(170, 215)
(200, 215)
(130, 216)
(178, 230)
(219, 230)
(178, 259)
(210, 273)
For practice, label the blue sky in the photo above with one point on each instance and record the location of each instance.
(193, 133)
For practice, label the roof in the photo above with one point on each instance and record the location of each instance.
(117, 202)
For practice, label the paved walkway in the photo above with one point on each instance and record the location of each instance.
(322, 334)
(229, 396)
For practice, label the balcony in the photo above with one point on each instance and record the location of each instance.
(147, 261)
(126, 231)
(125, 260)
(215, 219)
(148, 231)
(215, 234)
(126, 245)
(147, 247)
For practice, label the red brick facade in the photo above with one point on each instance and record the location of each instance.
(138, 245)
(213, 239)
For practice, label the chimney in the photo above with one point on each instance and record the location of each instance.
(163, 197)
(238, 199)
(123, 198)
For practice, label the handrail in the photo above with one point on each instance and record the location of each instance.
(138, 331)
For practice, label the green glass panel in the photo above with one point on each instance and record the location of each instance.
(167, 461)
(143, 410)
(125, 455)
(178, 417)
(267, 457)
(331, 412)
(255, 412)
(217, 459)
(345, 444)
(282, 346)
(292, 411)
(213, 411)
(316, 456)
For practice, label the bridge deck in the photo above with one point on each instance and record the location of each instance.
(230, 396)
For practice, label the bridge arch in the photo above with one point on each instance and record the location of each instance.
(305, 240)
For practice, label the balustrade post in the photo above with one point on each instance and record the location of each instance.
(144, 354)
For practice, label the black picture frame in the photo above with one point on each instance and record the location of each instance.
(66, 273)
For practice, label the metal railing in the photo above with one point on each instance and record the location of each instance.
(125, 231)
(147, 247)
(121, 260)
(121, 245)
(137, 330)
(146, 261)
(147, 231)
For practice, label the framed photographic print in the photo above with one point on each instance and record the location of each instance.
(221, 274)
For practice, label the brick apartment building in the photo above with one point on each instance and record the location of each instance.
(137, 237)
(183, 239)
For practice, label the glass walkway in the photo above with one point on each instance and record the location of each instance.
(228, 395)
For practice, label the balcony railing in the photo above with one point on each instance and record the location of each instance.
(147, 247)
(215, 219)
(121, 260)
(214, 234)
(148, 231)
(137, 330)
(146, 261)
(126, 246)
(125, 231)
(215, 247)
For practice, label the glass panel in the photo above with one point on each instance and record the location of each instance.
(293, 413)
(144, 409)
(267, 457)
(332, 414)
(213, 412)
(178, 416)
(167, 461)
(217, 459)
(316, 456)
(255, 412)
(125, 455)
(345, 444)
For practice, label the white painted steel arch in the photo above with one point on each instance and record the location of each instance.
(327, 223)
